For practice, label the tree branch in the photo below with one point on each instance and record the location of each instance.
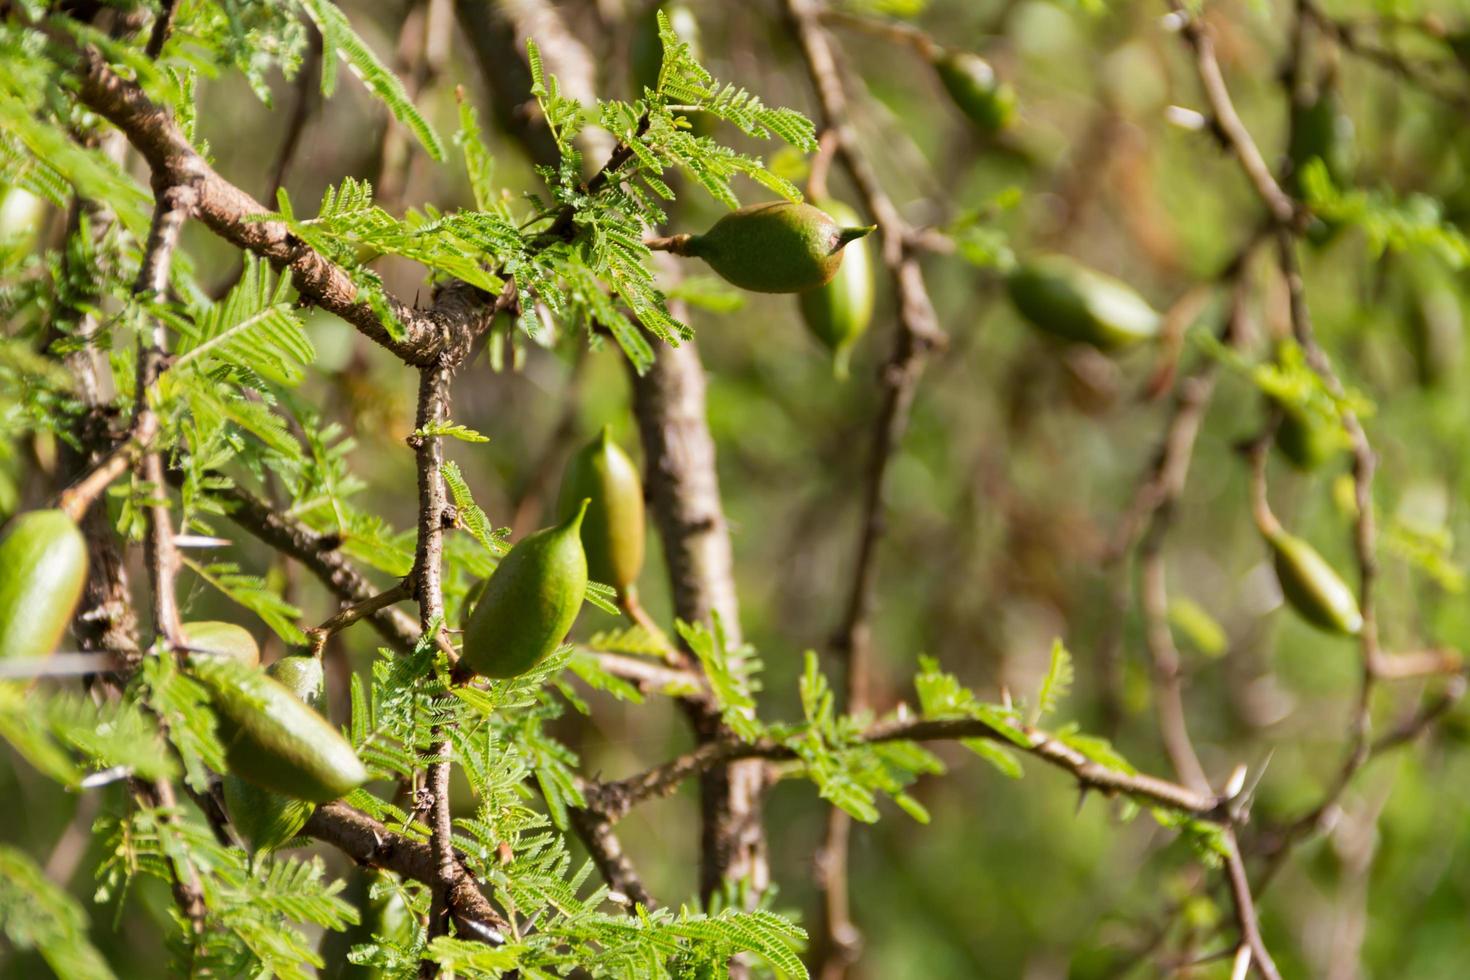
(459, 313)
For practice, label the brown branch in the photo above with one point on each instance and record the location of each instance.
(174, 205)
(1280, 205)
(1413, 71)
(428, 589)
(615, 799)
(370, 843)
(162, 25)
(459, 313)
(319, 635)
(916, 334)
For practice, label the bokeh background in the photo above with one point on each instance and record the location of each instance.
(1020, 460)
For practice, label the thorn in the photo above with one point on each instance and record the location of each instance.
(1236, 782)
(200, 541)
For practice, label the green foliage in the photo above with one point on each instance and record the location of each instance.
(339, 39)
(731, 670)
(35, 914)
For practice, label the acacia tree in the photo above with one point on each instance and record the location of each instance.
(158, 408)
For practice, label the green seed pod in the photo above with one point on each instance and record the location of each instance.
(838, 313)
(1312, 587)
(647, 51)
(777, 247)
(43, 567)
(226, 639)
(530, 603)
(265, 819)
(1078, 304)
(613, 530)
(976, 89)
(274, 739)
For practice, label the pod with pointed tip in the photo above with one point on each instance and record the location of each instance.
(43, 568)
(274, 739)
(265, 819)
(1312, 587)
(223, 639)
(1075, 303)
(530, 601)
(613, 530)
(838, 313)
(977, 90)
(777, 247)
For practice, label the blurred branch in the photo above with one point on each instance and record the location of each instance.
(1278, 203)
(303, 103)
(1415, 72)
(918, 332)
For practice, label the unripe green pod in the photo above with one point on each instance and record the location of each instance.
(530, 602)
(976, 89)
(223, 639)
(838, 313)
(613, 530)
(274, 739)
(43, 568)
(1306, 440)
(265, 819)
(777, 247)
(1312, 587)
(1075, 303)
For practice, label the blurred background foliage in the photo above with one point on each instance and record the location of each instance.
(1021, 459)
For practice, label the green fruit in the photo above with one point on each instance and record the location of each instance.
(223, 639)
(778, 247)
(43, 568)
(613, 530)
(274, 739)
(838, 313)
(1305, 438)
(530, 602)
(265, 819)
(1312, 587)
(974, 86)
(647, 51)
(1075, 303)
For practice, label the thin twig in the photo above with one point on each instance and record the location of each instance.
(174, 206)
(319, 635)
(615, 799)
(917, 333)
(433, 514)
